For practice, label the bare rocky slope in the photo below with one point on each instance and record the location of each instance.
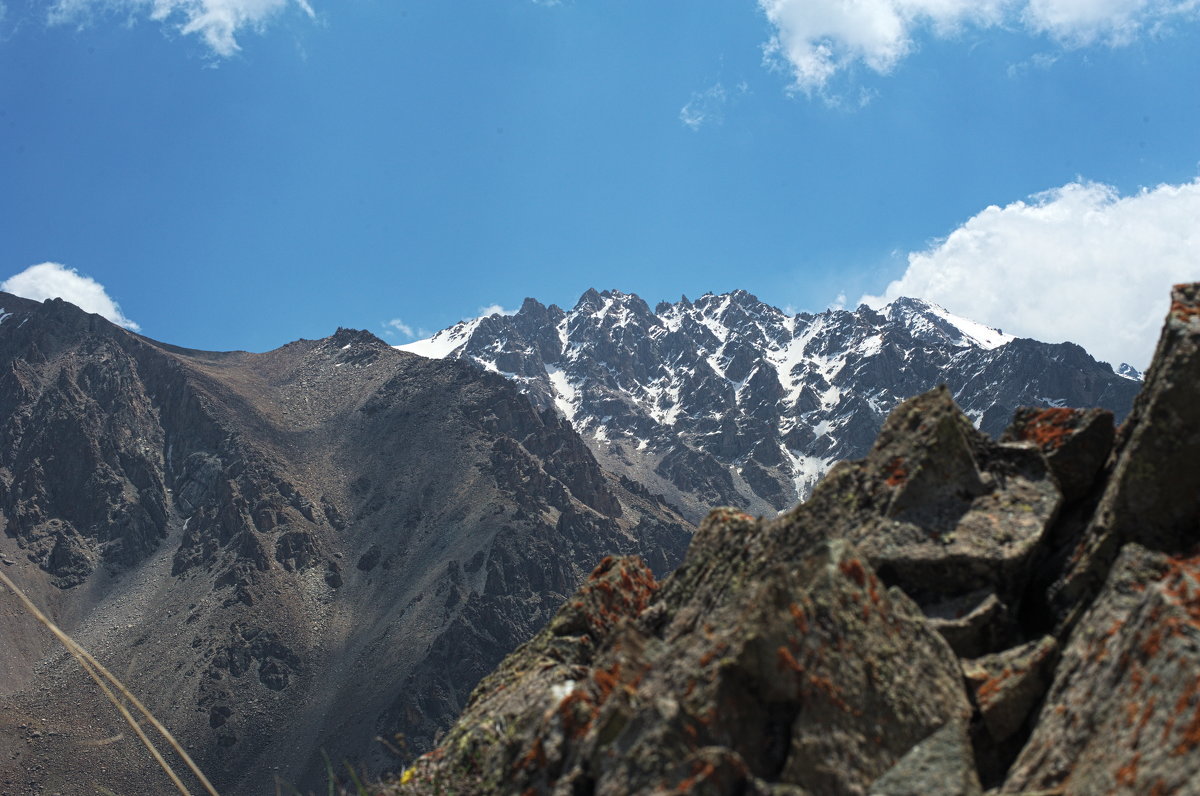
(728, 400)
(946, 615)
(282, 553)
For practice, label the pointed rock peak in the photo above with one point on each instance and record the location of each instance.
(926, 320)
(684, 301)
(744, 297)
(530, 305)
(590, 300)
(1129, 372)
(349, 337)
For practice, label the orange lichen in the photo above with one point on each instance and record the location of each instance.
(786, 660)
(1191, 735)
(701, 770)
(853, 569)
(802, 621)
(897, 473)
(1050, 428)
(575, 726)
(992, 685)
(1184, 312)
(606, 680)
(1127, 774)
(614, 596)
(535, 758)
(712, 654)
(832, 693)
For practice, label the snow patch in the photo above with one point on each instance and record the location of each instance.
(566, 397)
(445, 342)
(807, 472)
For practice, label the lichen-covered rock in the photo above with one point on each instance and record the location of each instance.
(780, 677)
(1076, 443)
(938, 507)
(973, 624)
(1006, 686)
(1123, 714)
(941, 765)
(1152, 496)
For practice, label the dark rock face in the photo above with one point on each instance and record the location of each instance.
(928, 622)
(727, 400)
(268, 543)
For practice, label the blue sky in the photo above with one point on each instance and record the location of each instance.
(240, 173)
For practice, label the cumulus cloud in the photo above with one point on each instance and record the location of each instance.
(217, 22)
(817, 39)
(1081, 22)
(1079, 263)
(51, 280)
(495, 309)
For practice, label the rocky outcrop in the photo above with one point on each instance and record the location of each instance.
(263, 544)
(947, 614)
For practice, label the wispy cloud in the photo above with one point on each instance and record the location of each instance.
(52, 280)
(217, 22)
(815, 40)
(495, 309)
(397, 325)
(705, 107)
(1079, 263)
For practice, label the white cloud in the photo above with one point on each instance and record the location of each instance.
(1081, 22)
(495, 309)
(51, 280)
(1079, 263)
(705, 107)
(817, 39)
(397, 325)
(217, 22)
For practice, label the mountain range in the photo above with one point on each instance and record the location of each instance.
(726, 400)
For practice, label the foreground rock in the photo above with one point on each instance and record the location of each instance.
(949, 613)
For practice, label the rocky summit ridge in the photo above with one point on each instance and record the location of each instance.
(949, 614)
(728, 400)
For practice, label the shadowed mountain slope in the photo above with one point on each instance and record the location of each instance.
(281, 552)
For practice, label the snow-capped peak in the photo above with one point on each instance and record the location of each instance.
(924, 318)
(445, 342)
(726, 399)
